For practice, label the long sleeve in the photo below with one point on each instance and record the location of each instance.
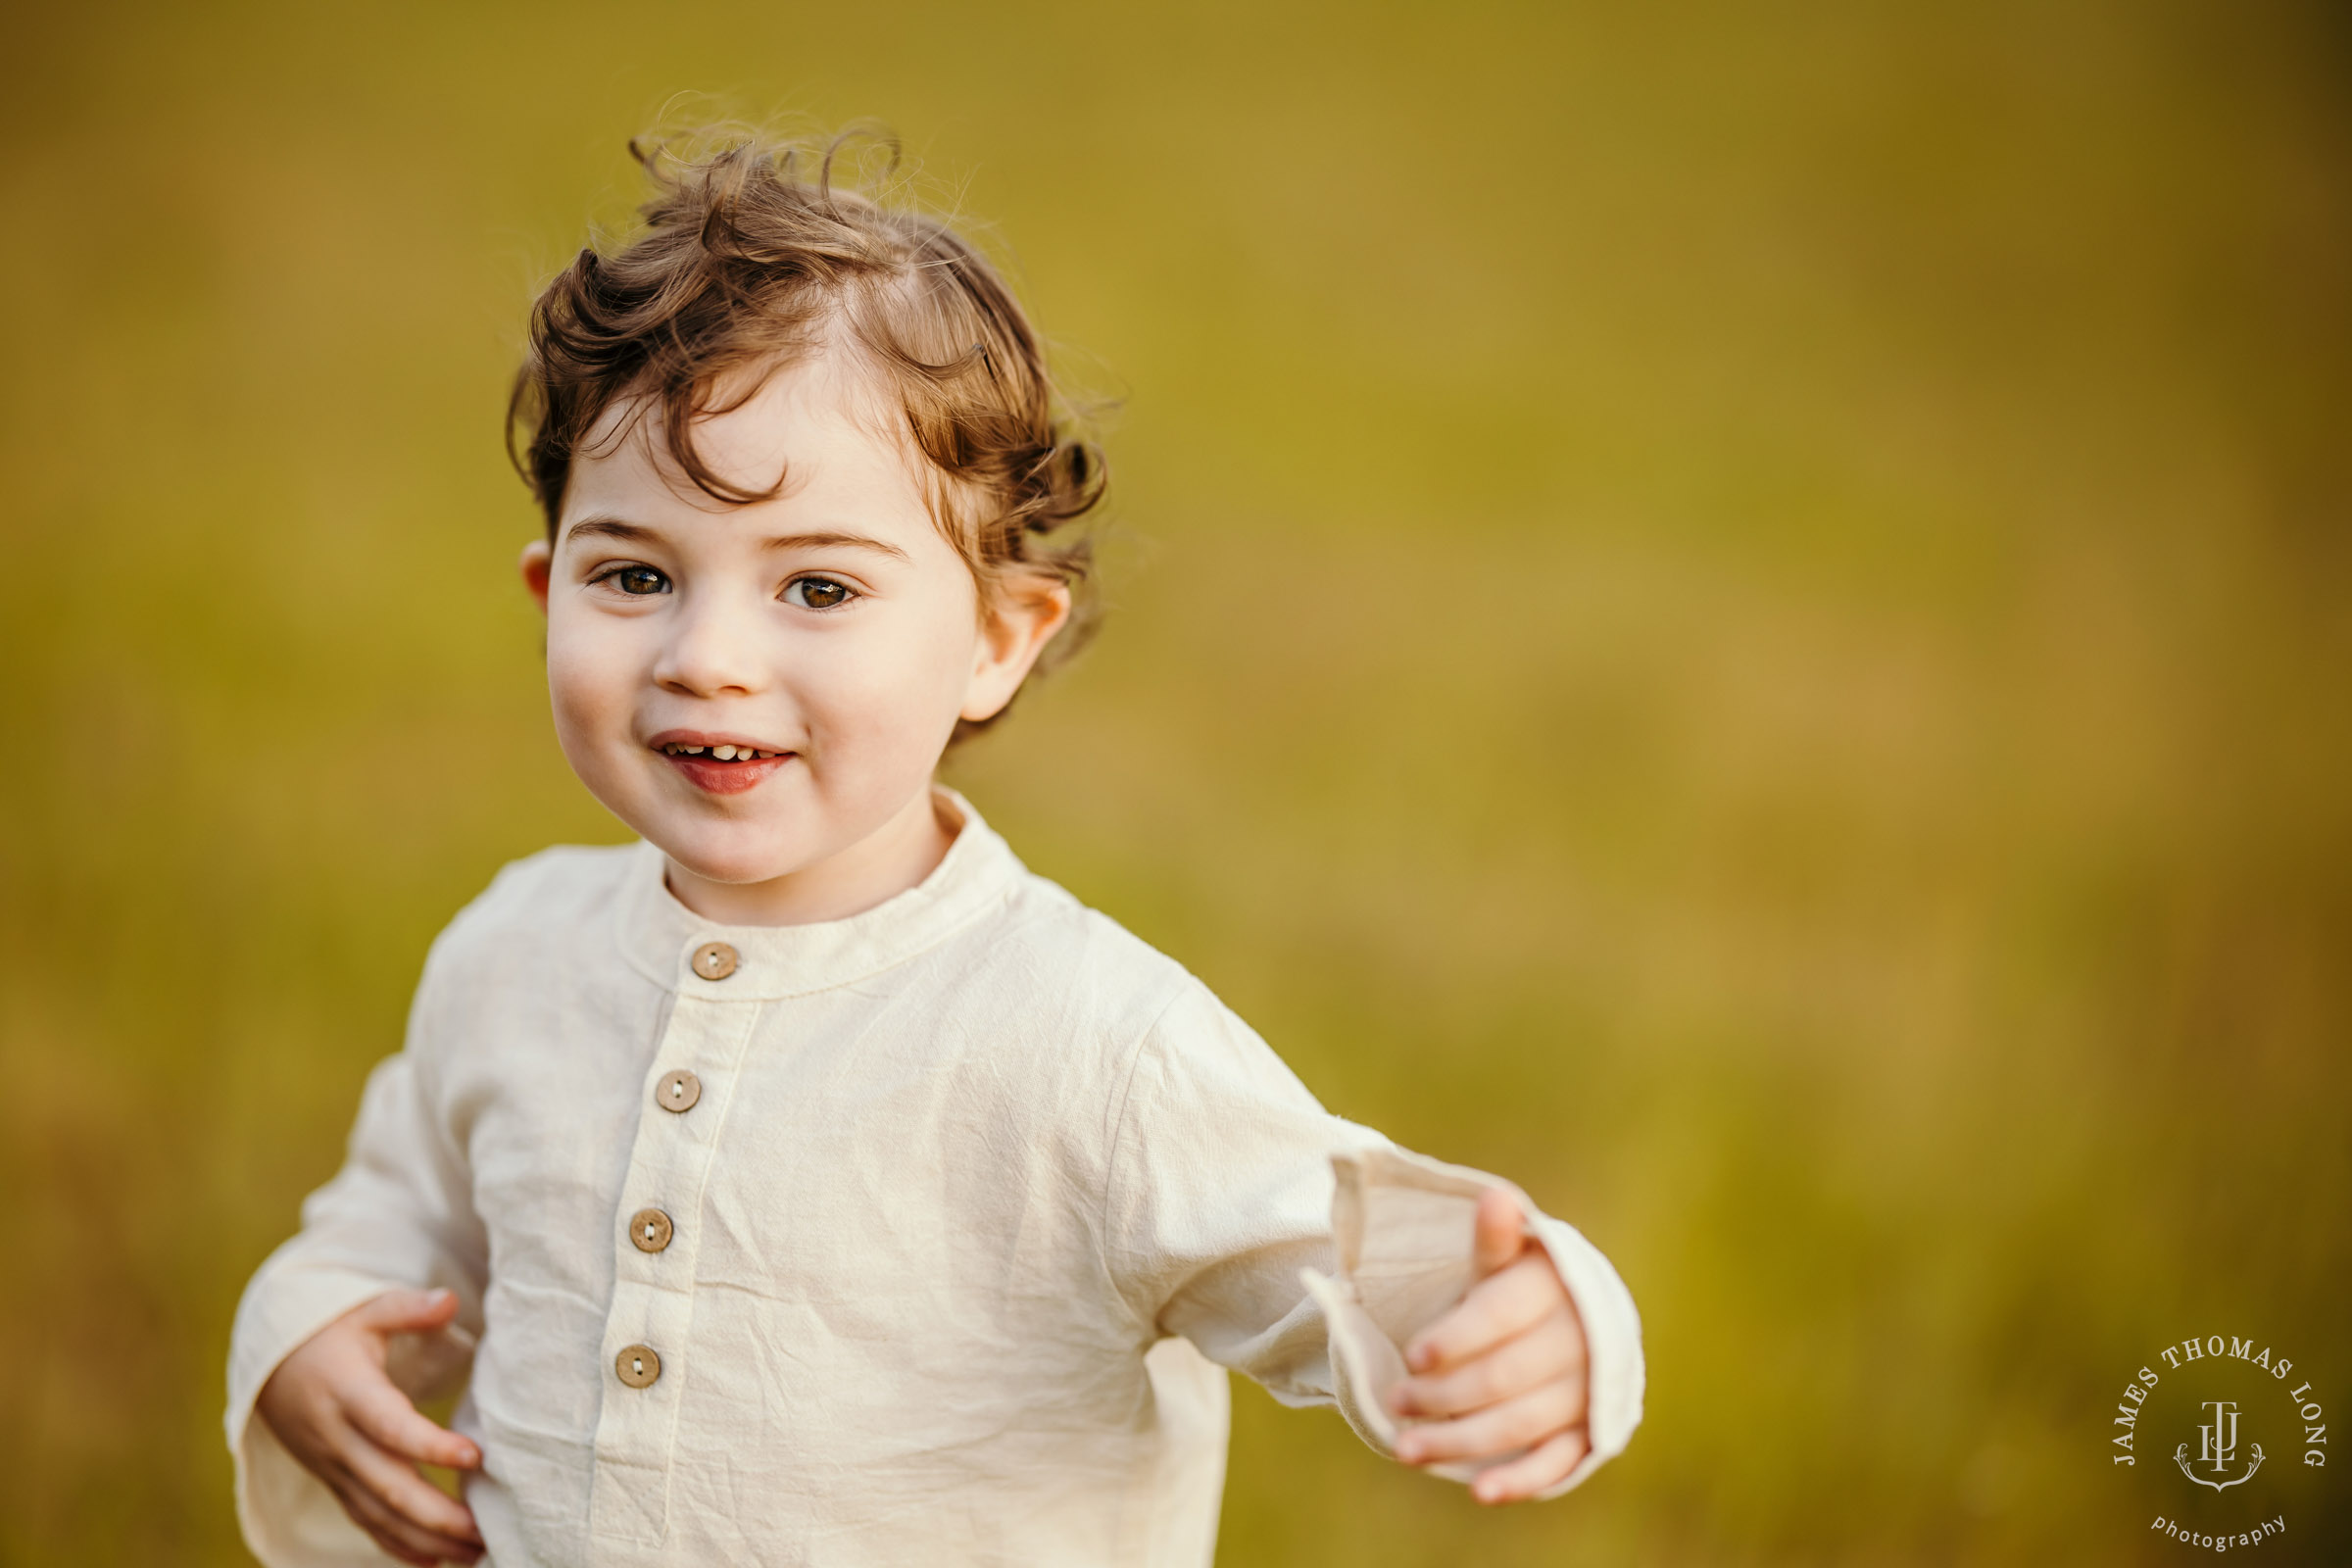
(397, 1214)
(1303, 1251)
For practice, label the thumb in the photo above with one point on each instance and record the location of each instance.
(406, 1312)
(1496, 1239)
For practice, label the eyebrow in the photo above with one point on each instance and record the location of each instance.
(820, 541)
(606, 529)
(615, 528)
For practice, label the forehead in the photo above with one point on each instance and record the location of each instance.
(818, 424)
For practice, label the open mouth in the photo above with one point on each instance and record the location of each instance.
(721, 767)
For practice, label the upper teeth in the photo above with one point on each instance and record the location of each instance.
(723, 753)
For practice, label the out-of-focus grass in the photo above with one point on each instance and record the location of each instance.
(1737, 611)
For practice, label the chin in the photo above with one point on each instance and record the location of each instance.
(716, 845)
(735, 868)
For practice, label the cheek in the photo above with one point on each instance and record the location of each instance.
(896, 688)
(589, 679)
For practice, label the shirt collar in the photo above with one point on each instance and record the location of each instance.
(659, 935)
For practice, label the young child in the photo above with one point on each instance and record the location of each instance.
(810, 1183)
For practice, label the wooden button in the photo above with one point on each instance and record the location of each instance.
(649, 1229)
(677, 1090)
(638, 1366)
(713, 960)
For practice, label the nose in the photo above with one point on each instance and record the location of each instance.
(713, 647)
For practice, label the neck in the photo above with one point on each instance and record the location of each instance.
(883, 864)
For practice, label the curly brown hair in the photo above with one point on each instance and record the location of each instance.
(742, 266)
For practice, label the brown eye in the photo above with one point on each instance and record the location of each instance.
(817, 593)
(640, 580)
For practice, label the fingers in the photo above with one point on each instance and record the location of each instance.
(408, 1497)
(377, 1431)
(404, 1311)
(403, 1538)
(1552, 1350)
(1495, 1239)
(332, 1405)
(383, 1416)
(1505, 1427)
(1497, 1308)
(1544, 1465)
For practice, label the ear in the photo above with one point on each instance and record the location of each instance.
(1015, 629)
(537, 563)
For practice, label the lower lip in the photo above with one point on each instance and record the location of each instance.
(726, 778)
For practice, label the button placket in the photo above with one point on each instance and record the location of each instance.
(648, 1347)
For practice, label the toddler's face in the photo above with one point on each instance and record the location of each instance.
(764, 690)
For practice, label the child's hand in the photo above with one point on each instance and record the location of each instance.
(1502, 1372)
(334, 1408)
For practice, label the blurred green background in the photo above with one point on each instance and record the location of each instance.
(1740, 612)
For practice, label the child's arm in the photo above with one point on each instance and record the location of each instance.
(1525, 1366)
(338, 1331)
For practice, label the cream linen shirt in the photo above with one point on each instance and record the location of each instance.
(979, 1198)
